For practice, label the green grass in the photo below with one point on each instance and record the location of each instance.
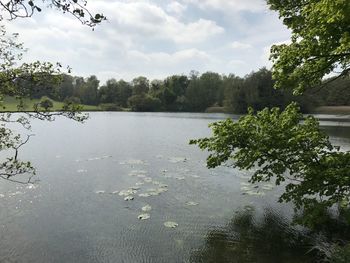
(10, 105)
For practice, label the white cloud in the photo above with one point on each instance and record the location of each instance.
(231, 5)
(240, 45)
(154, 38)
(150, 20)
(176, 8)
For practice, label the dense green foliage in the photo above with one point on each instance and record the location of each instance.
(277, 146)
(189, 93)
(320, 42)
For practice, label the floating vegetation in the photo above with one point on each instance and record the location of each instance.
(148, 179)
(162, 190)
(139, 183)
(156, 182)
(115, 192)
(191, 203)
(161, 185)
(245, 188)
(100, 192)
(134, 188)
(144, 195)
(155, 193)
(146, 208)
(81, 171)
(171, 224)
(246, 184)
(177, 159)
(127, 192)
(129, 198)
(144, 216)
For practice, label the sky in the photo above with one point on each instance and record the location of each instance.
(156, 38)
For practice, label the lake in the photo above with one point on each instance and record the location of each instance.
(77, 212)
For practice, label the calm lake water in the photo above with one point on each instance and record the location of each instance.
(72, 215)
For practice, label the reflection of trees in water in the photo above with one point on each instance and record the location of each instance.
(246, 239)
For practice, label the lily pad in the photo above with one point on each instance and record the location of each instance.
(146, 208)
(155, 193)
(171, 224)
(162, 190)
(144, 195)
(127, 192)
(144, 216)
(129, 198)
(148, 179)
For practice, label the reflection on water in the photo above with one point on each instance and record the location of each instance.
(78, 213)
(247, 238)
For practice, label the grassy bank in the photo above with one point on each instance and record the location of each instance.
(337, 110)
(10, 105)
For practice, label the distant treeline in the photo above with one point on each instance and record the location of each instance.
(194, 93)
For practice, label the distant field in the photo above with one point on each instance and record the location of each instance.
(332, 110)
(10, 105)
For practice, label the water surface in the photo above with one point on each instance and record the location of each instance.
(71, 215)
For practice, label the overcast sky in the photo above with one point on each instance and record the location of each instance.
(156, 38)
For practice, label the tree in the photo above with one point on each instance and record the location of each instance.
(12, 78)
(320, 42)
(13, 9)
(202, 92)
(275, 144)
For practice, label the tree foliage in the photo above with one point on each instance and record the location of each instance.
(278, 144)
(320, 42)
(12, 9)
(25, 80)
